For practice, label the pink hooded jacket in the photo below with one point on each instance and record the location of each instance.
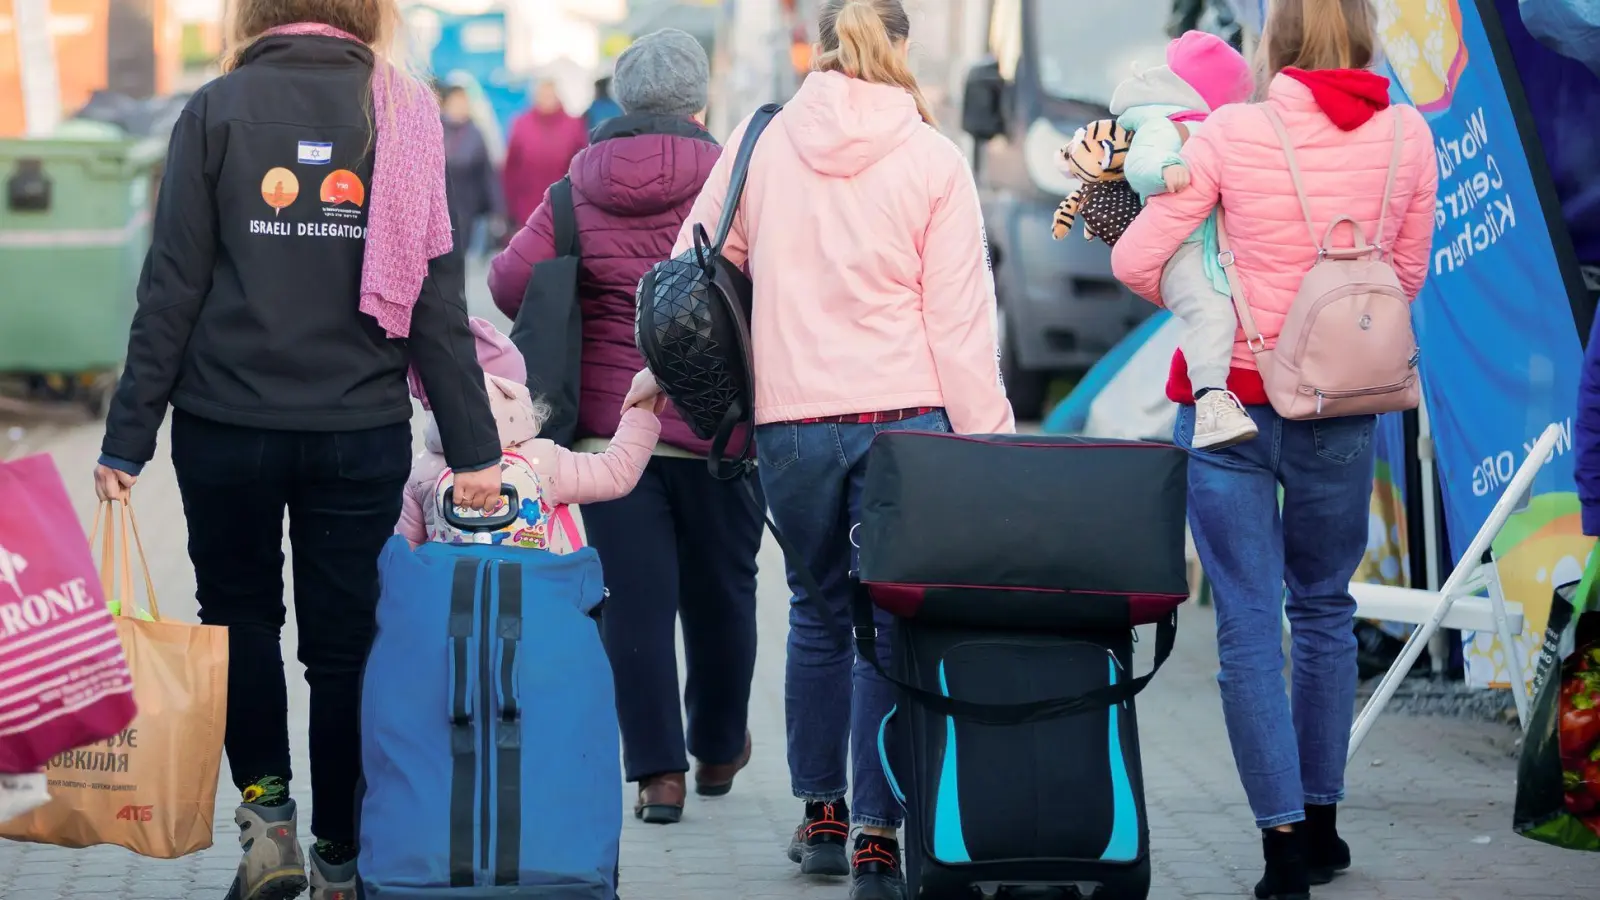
(1237, 161)
(570, 477)
(862, 230)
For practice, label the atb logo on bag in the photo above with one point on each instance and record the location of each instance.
(11, 565)
(136, 813)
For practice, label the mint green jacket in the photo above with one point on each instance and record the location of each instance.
(1155, 145)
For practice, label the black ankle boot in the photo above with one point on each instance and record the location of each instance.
(1286, 877)
(1326, 854)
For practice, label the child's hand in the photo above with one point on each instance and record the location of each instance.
(1176, 176)
(645, 393)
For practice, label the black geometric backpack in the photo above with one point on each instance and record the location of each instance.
(693, 326)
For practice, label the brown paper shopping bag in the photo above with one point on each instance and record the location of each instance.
(153, 787)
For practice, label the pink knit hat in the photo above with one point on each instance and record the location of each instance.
(1216, 71)
(496, 354)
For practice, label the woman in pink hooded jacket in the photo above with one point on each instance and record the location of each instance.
(874, 311)
(1290, 754)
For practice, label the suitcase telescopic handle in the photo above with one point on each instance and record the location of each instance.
(480, 524)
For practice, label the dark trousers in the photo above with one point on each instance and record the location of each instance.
(342, 491)
(681, 546)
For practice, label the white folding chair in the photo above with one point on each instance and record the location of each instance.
(1456, 604)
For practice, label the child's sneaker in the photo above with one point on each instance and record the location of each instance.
(273, 868)
(875, 869)
(818, 844)
(333, 881)
(1220, 421)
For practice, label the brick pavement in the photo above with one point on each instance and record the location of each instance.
(1428, 815)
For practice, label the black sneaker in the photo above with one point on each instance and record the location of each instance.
(818, 844)
(875, 869)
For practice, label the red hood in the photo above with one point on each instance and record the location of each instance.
(1348, 97)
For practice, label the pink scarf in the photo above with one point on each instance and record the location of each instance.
(408, 221)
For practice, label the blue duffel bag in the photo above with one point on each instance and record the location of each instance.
(489, 728)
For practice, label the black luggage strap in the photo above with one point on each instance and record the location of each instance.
(865, 633)
(563, 218)
(864, 636)
(463, 745)
(508, 729)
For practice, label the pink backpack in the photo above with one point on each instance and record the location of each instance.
(1346, 347)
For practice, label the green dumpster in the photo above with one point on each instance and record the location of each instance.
(74, 228)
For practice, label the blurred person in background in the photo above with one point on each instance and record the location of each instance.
(604, 108)
(682, 546)
(282, 336)
(475, 200)
(543, 141)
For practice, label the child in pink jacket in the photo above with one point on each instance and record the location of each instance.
(565, 477)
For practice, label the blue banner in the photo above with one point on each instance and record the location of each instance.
(470, 51)
(1500, 351)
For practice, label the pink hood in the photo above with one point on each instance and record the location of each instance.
(513, 413)
(864, 237)
(840, 125)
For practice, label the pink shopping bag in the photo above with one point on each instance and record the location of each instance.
(64, 681)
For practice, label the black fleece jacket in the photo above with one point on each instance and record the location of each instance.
(247, 304)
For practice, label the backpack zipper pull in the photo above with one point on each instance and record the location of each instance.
(1319, 403)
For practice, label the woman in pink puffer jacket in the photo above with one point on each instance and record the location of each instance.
(1290, 753)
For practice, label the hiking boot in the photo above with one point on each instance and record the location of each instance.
(661, 799)
(333, 882)
(273, 867)
(1220, 421)
(876, 869)
(818, 844)
(715, 780)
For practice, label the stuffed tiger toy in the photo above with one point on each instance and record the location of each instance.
(1104, 199)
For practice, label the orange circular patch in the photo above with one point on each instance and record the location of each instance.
(279, 188)
(342, 186)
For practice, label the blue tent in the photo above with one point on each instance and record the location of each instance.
(1124, 395)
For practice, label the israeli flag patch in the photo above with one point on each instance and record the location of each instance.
(315, 154)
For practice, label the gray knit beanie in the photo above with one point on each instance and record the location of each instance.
(663, 73)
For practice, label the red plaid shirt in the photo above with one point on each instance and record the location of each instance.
(873, 418)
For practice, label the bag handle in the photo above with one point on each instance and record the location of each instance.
(564, 218)
(116, 570)
(863, 635)
(740, 173)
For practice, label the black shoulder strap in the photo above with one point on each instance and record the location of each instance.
(741, 170)
(563, 218)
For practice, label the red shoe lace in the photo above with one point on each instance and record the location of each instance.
(829, 824)
(870, 851)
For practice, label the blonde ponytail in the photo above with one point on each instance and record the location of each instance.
(858, 39)
(1319, 34)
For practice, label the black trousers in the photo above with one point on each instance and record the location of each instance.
(681, 546)
(342, 491)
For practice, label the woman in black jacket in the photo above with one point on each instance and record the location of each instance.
(300, 265)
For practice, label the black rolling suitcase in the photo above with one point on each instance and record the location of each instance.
(1014, 745)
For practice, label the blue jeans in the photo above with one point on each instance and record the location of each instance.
(812, 474)
(1289, 752)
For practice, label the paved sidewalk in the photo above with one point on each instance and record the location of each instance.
(1428, 815)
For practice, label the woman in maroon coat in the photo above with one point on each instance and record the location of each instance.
(683, 544)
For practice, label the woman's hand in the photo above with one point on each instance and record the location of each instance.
(645, 393)
(112, 484)
(477, 490)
